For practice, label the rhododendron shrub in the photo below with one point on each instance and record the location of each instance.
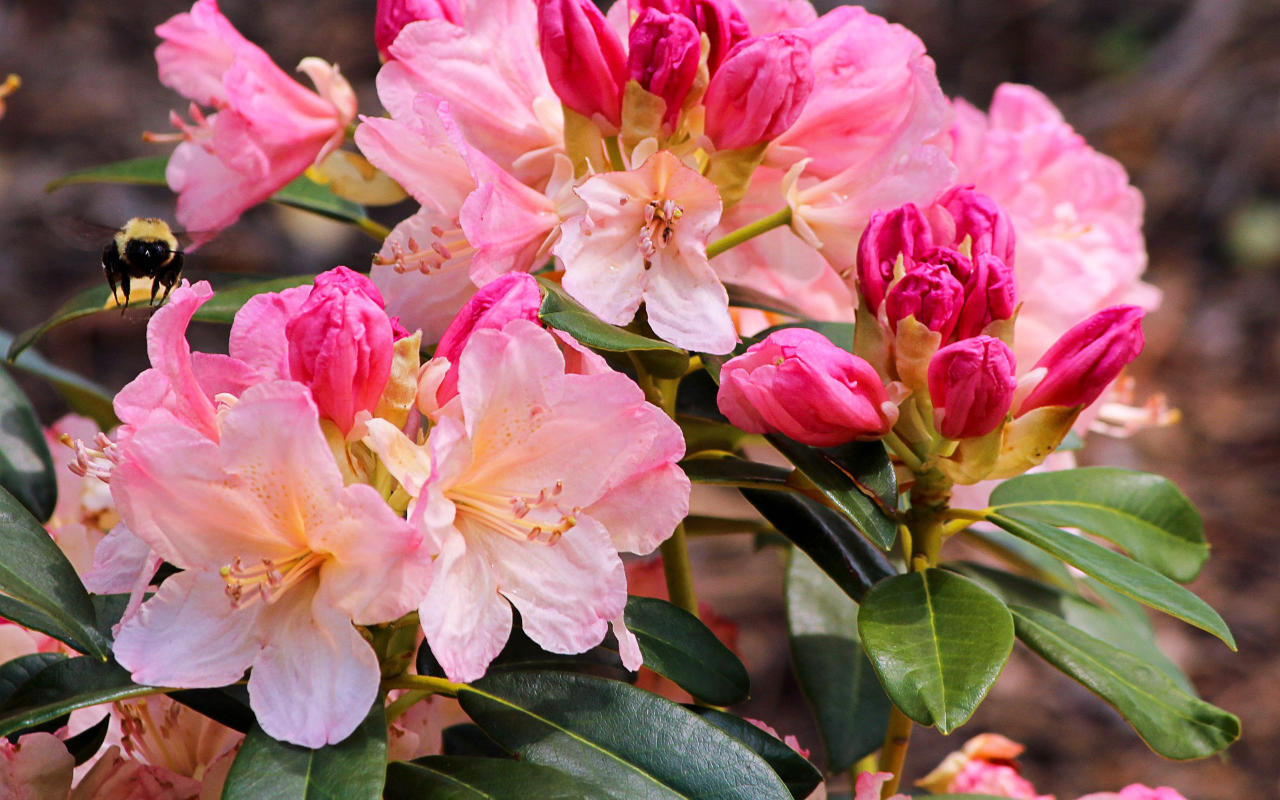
(677, 242)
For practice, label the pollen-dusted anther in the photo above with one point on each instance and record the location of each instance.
(510, 515)
(659, 225)
(411, 255)
(98, 461)
(270, 577)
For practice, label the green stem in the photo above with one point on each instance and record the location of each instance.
(425, 684)
(679, 571)
(374, 229)
(615, 154)
(775, 220)
(403, 703)
(903, 451)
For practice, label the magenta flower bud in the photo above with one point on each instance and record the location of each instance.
(931, 294)
(585, 60)
(902, 231)
(664, 53)
(797, 383)
(978, 217)
(990, 294)
(971, 384)
(512, 296)
(1087, 358)
(393, 15)
(340, 345)
(759, 90)
(720, 20)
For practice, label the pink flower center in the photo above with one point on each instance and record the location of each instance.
(659, 226)
(524, 518)
(446, 247)
(270, 578)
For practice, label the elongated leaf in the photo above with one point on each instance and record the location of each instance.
(1145, 514)
(617, 737)
(829, 538)
(831, 667)
(1172, 722)
(26, 467)
(228, 705)
(306, 194)
(800, 776)
(16, 672)
(1120, 573)
(735, 472)
(747, 297)
(938, 641)
(454, 778)
(1116, 629)
(64, 686)
(353, 769)
(85, 744)
(33, 571)
(467, 739)
(1023, 556)
(676, 644)
(82, 395)
(857, 477)
(562, 312)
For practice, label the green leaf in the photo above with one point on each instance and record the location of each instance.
(87, 742)
(467, 739)
(301, 192)
(938, 641)
(1116, 629)
(33, 571)
(1026, 558)
(800, 776)
(831, 667)
(829, 538)
(562, 312)
(1145, 514)
(627, 742)
(228, 705)
(81, 394)
(26, 467)
(838, 333)
(1172, 722)
(736, 472)
(747, 297)
(857, 477)
(454, 778)
(353, 769)
(17, 671)
(1120, 573)
(64, 686)
(677, 645)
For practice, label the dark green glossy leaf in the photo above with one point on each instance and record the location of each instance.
(228, 705)
(857, 477)
(1145, 514)
(81, 394)
(938, 641)
(747, 297)
(1120, 573)
(800, 776)
(617, 737)
(829, 538)
(64, 686)
(735, 472)
(16, 672)
(1024, 557)
(1117, 629)
(562, 312)
(454, 778)
(26, 466)
(34, 572)
(353, 769)
(522, 654)
(467, 739)
(85, 744)
(1172, 722)
(306, 194)
(677, 645)
(830, 665)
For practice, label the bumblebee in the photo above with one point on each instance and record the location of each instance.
(144, 247)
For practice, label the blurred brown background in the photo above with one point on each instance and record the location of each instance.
(1185, 94)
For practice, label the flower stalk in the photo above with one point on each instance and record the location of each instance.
(763, 225)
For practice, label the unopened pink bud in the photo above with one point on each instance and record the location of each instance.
(971, 385)
(512, 296)
(340, 345)
(663, 58)
(990, 295)
(585, 60)
(395, 14)
(979, 218)
(931, 294)
(889, 234)
(797, 383)
(759, 90)
(1087, 358)
(720, 20)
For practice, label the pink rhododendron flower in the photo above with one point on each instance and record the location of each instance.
(643, 238)
(971, 384)
(663, 54)
(585, 60)
(867, 786)
(797, 383)
(1078, 221)
(771, 16)
(986, 764)
(531, 510)
(720, 20)
(1080, 365)
(36, 767)
(760, 90)
(267, 130)
(395, 14)
(1137, 791)
(275, 578)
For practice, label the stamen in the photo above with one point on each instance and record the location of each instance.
(97, 462)
(508, 515)
(268, 579)
(447, 248)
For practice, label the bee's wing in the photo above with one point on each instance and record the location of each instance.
(189, 240)
(81, 233)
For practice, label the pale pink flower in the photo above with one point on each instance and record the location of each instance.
(491, 73)
(771, 16)
(1137, 791)
(170, 738)
(267, 130)
(528, 486)
(867, 786)
(986, 764)
(395, 14)
(643, 238)
(1077, 218)
(36, 767)
(275, 577)
(995, 779)
(424, 269)
(114, 777)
